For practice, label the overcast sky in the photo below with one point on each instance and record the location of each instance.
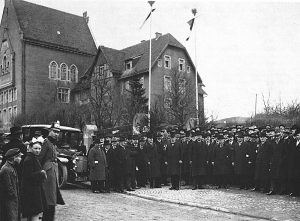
(243, 47)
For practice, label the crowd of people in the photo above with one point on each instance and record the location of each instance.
(28, 177)
(261, 159)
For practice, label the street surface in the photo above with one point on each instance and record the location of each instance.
(81, 204)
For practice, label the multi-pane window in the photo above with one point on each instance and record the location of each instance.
(1, 98)
(181, 65)
(167, 83)
(14, 94)
(188, 69)
(159, 62)
(4, 117)
(73, 73)
(63, 72)
(167, 61)
(53, 69)
(63, 95)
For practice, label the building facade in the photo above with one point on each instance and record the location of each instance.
(168, 55)
(43, 53)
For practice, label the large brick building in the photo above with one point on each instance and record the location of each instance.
(43, 52)
(122, 65)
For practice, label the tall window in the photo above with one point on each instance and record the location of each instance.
(159, 62)
(1, 98)
(9, 95)
(181, 66)
(4, 116)
(182, 83)
(63, 72)
(15, 111)
(167, 61)
(142, 81)
(5, 97)
(53, 69)
(14, 94)
(188, 69)
(167, 83)
(63, 95)
(73, 73)
(10, 113)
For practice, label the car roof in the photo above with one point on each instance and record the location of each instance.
(46, 126)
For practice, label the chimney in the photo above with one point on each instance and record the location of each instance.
(157, 35)
(86, 17)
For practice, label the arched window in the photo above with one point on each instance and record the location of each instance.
(53, 69)
(63, 72)
(73, 73)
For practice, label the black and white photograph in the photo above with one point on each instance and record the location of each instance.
(149, 110)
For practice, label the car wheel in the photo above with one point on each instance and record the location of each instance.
(62, 175)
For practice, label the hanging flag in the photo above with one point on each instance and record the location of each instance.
(191, 24)
(152, 10)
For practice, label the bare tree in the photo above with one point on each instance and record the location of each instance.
(180, 103)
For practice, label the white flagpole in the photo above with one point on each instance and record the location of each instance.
(149, 86)
(194, 11)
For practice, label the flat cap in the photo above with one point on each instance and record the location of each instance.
(13, 152)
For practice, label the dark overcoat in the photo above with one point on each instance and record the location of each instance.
(120, 159)
(295, 169)
(241, 158)
(222, 160)
(48, 160)
(186, 153)
(9, 194)
(162, 152)
(174, 154)
(276, 160)
(153, 158)
(199, 158)
(131, 153)
(97, 163)
(33, 199)
(263, 158)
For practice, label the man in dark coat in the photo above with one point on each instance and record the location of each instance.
(262, 165)
(9, 187)
(276, 164)
(141, 163)
(162, 151)
(98, 164)
(153, 162)
(241, 162)
(221, 162)
(120, 159)
(131, 149)
(48, 160)
(186, 152)
(174, 160)
(198, 160)
(295, 167)
(33, 199)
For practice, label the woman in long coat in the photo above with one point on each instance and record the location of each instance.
(33, 199)
(98, 165)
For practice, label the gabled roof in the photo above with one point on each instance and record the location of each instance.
(142, 49)
(114, 58)
(47, 25)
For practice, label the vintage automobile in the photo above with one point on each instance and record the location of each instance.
(72, 159)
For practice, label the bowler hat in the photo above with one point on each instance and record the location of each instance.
(15, 130)
(12, 152)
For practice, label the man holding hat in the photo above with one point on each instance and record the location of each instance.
(9, 187)
(48, 160)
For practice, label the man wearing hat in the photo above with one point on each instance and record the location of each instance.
(9, 187)
(262, 164)
(16, 141)
(48, 160)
